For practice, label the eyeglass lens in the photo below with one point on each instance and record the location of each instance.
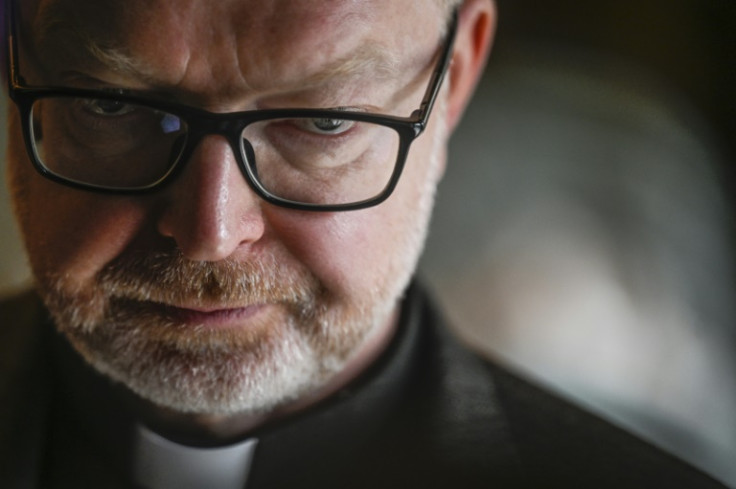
(119, 145)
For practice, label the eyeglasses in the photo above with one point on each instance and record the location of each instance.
(307, 159)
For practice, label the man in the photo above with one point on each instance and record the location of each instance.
(222, 215)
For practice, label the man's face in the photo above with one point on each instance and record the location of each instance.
(201, 297)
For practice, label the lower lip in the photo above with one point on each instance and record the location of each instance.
(218, 318)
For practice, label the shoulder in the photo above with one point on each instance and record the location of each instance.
(24, 385)
(567, 444)
(21, 320)
(553, 441)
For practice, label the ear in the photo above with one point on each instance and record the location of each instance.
(476, 27)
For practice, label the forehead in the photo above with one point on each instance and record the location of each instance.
(252, 43)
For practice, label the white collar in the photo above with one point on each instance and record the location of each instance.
(159, 463)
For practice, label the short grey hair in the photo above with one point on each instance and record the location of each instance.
(447, 6)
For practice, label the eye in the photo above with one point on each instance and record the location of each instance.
(328, 127)
(107, 107)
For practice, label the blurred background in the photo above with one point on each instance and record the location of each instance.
(584, 230)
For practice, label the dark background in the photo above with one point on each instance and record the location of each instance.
(690, 43)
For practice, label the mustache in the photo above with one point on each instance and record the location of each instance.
(169, 277)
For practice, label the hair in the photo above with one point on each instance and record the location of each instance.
(447, 6)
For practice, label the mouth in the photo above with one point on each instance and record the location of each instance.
(210, 317)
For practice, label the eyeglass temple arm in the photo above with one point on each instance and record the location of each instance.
(437, 76)
(11, 72)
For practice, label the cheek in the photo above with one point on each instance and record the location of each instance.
(343, 250)
(78, 235)
(67, 232)
(371, 250)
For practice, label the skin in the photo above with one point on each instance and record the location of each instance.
(353, 261)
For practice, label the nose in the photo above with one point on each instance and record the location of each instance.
(210, 211)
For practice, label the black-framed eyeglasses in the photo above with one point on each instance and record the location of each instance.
(307, 159)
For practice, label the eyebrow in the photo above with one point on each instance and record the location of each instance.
(366, 60)
(55, 19)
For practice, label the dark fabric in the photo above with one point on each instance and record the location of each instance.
(24, 390)
(564, 446)
(439, 425)
(428, 414)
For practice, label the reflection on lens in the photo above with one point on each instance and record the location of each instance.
(106, 143)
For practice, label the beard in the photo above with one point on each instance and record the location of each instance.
(297, 337)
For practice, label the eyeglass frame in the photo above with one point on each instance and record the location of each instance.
(230, 125)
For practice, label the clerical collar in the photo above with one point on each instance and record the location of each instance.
(322, 435)
(158, 463)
